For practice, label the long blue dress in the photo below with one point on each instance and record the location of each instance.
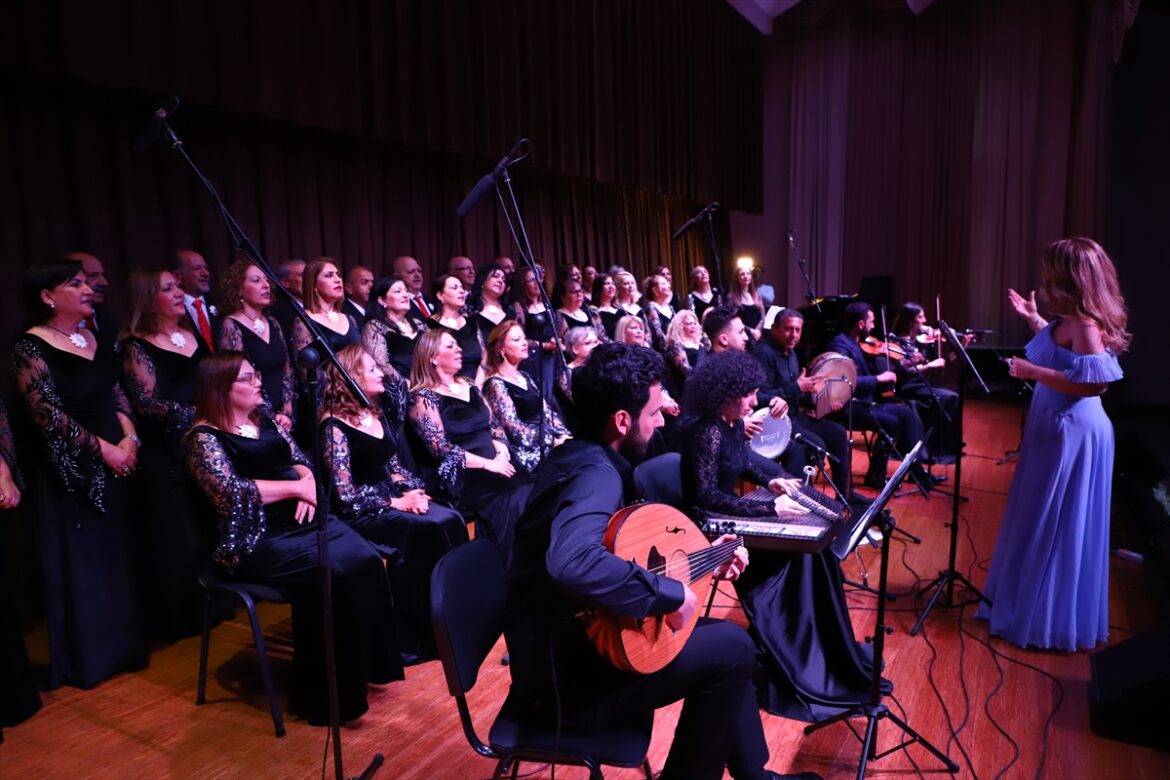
(1049, 577)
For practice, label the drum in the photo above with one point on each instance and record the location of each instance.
(838, 377)
(773, 439)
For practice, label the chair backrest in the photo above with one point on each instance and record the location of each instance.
(659, 479)
(468, 601)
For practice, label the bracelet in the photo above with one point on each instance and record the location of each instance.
(134, 438)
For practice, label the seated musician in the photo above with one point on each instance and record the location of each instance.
(900, 423)
(783, 378)
(810, 666)
(560, 567)
(929, 400)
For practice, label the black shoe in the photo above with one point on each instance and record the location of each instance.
(938, 479)
(798, 776)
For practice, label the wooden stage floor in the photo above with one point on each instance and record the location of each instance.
(946, 679)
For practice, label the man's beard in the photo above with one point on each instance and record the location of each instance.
(631, 448)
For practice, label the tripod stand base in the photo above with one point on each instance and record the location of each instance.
(873, 715)
(946, 581)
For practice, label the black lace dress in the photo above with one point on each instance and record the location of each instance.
(389, 344)
(173, 541)
(468, 339)
(270, 358)
(263, 543)
(518, 410)
(810, 665)
(486, 325)
(443, 430)
(95, 628)
(366, 474)
(608, 317)
(699, 306)
(19, 699)
(307, 403)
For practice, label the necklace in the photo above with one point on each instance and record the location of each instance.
(76, 338)
(366, 420)
(258, 324)
(178, 339)
(248, 431)
(331, 315)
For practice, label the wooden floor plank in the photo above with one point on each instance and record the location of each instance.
(146, 724)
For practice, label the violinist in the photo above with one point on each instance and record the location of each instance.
(937, 407)
(900, 422)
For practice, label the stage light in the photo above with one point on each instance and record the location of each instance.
(745, 262)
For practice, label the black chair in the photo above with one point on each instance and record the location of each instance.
(468, 601)
(659, 479)
(249, 594)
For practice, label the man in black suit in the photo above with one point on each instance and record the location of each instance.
(195, 277)
(561, 568)
(409, 271)
(358, 283)
(785, 379)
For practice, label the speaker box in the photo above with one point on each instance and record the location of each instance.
(1130, 690)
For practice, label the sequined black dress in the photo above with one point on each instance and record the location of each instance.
(19, 699)
(92, 605)
(443, 429)
(810, 665)
(518, 410)
(366, 474)
(264, 543)
(173, 541)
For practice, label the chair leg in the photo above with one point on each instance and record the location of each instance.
(200, 693)
(646, 768)
(265, 672)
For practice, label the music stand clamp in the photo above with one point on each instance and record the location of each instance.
(946, 579)
(874, 712)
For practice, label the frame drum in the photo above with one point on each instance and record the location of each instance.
(838, 375)
(773, 439)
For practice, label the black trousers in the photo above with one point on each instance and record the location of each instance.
(946, 429)
(720, 721)
(901, 422)
(830, 435)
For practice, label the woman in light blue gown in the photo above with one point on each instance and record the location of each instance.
(1049, 578)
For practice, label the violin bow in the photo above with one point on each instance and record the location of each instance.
(886, 339)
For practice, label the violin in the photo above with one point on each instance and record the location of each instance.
(872, 345)
(928, 335)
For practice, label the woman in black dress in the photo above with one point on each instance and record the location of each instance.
(628, 301)
(159, 355)
(383, 501)
(461, 450)
(605, 306)
(246, 295)
(264, 496)
(659, 311)
(810, 666)
(532, 426)
(537, 321)
(743, 294)
(684, 342)
(79, 480)
(569, 296)
(390, 333)
(452, 314)
(488, 299)
(19, 699)
(702, 295)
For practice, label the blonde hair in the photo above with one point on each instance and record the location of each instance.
(620, 286)
(674, 332)
(423, 372)
(623, 325)
(314, 269)
(1078, 279)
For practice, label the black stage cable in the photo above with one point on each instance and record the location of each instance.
(1051, 716)
(994, 692)
(946, 712)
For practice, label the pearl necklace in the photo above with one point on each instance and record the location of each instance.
(76, 338)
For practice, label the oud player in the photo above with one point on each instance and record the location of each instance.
(561, 568)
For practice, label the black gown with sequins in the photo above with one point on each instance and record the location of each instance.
(366, 473)
(95, 628)
(173, 541)
(519, 410)
(442, 430)
(264, 543)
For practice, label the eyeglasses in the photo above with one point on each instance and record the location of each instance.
(248, 379)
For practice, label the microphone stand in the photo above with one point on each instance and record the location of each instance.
(707, 220)
(311, 354)
(946, 579)
(812, 296)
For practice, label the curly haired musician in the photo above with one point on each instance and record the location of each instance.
(561, 567)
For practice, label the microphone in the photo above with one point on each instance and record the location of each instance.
(818, 449)
(690, 223)
(489, 180)
(156, 126)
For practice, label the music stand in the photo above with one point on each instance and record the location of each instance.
(946, 578)
(874, 712)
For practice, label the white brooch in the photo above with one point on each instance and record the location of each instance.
(214, 311)
(178, 339)
(258, 325)
(366, 421)
(79, 340)
(248, 431)
(331, 315)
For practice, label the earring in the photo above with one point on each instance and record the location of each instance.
(52, 305)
